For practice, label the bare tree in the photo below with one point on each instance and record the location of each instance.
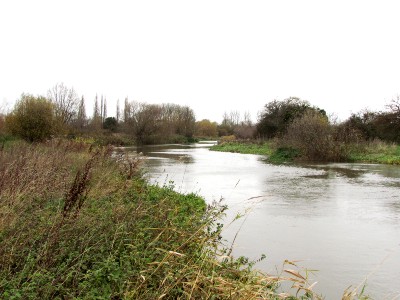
(127, 110)
(234, 117)
(104, 114)
(247, 119)
(96, 119)
(66, 102)
(118, 112)
(81, 120)
(394, 105)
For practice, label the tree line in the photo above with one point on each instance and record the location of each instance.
(63, 112)
(295, 122)
(302, 129)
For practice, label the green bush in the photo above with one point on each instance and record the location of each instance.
(32, 119)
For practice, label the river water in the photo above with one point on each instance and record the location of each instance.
(342, 220)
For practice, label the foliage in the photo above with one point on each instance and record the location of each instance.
(314, 137)
(243, 147)
(153, 123)
(81, 118)
(376, 152)
(244, 131)
(227, 139)
(205, 128)
(383, 125)
(284, 155)
(2, 123)
(32, 119)
(232, 124)
(111, 124)
(277, 115)
(66, 102)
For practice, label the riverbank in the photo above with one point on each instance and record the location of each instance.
(78, 221)
(244, 148)
(374, 152)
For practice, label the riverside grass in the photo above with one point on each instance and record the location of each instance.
(377, 152)
(369, 152)
(244, 148)
(79, 222)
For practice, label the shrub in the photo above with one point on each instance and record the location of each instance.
(32, 119)
(227, 139)
(278, 115)
(313, 137)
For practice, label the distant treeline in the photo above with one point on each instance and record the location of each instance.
(63, 112)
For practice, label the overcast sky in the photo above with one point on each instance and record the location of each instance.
(214, 56)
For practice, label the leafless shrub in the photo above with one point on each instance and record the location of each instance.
(314, 137)
(79, 189)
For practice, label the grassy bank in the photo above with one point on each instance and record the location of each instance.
(244, 148)
(372, 152)
(79, 222)
(278, 156)
(377, 152)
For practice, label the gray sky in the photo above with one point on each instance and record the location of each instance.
(214, 56)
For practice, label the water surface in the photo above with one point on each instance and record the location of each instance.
(340, 219)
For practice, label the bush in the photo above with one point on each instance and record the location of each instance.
(313, 137)
(278, 115)
(32, 119)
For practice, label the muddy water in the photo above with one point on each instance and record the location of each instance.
(340, 219)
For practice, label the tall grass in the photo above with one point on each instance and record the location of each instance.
(376, 152)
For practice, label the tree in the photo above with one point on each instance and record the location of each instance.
(96, 119)
(394, 105)
(227, 125)
(2, 120)
(111, 124)
(146, 122)
(2, 123)
(186, 121)
(277, 115)
(81, 119)
(33, 118)
(103, 109)
(314, 137)
(363, 122)
(205, 128)
(118, 112)
(154, 123)
(66, 102)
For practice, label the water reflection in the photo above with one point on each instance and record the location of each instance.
(342, 219)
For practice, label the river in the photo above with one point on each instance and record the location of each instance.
(342, 220)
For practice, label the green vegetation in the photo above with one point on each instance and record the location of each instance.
(297, 131)
(283, 155)
(278, 115)
(79, 222)
(373, 152)
(244, 148)
(32, 119)
(377, 152)
(275, 155)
